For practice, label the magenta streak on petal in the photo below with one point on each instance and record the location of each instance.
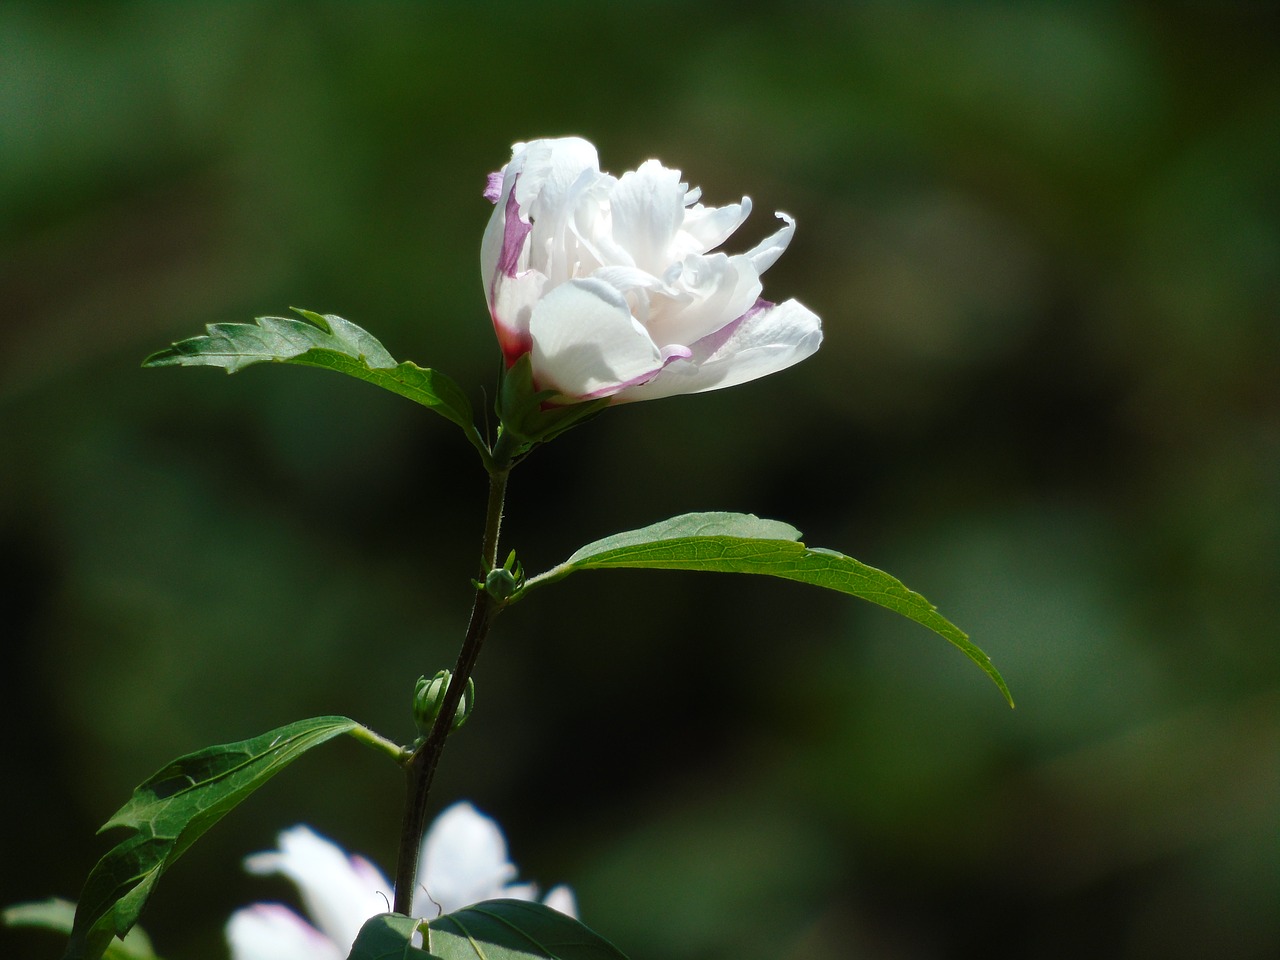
(615, 387)
(515, 343)
(493, 187)
(669, 355)
(514, 234)
(717, 339)
(675, 352)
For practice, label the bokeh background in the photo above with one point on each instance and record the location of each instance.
(1044, 240)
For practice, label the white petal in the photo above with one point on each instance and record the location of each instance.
(495, 231)
(559, 192)
(550, 168)
(766, 253)
(543, 175)
(708, 227)
(586, 343)
(647, 207)
(519, 891)
(491, 242)
(626, 279)
(463, 861)
(561, 898)
(763, 342)
(269, 931)
(636, 287)
(512, 306)
(714, 291)
(339, 892)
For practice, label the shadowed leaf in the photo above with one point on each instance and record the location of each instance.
(388, 936)
(169, 812)
(515, 930)
(57, 915)
(492, 930)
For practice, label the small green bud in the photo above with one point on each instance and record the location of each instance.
(428, 695)
(428, 698)
(501, 583)
(465, 705)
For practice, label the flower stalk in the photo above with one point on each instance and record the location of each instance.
(421, 767)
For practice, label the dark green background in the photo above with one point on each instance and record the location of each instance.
(1044, 240)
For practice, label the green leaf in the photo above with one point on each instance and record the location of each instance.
(387, 937)
(326, 341)
(56, 914)
(169, 812)
(515, 930)
(742, 543)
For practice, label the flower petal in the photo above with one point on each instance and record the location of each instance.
(339, 892)
(463, 861)
(766, 253)
(586, 343)
(536, 184)
(713, 291)
(493, 187)
(515, 230)
(270, 931)
(768, 338)
(511, 308)
(647, 207)
(559, 181)
(708, 227)
(495, 231)
(561, 898)
(551, 170)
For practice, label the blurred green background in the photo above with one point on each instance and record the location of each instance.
(1044, 240)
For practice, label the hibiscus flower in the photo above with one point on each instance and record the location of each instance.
(464, 861)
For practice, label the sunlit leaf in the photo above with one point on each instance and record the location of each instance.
(742, 543)
(326, 341)
(169, 812)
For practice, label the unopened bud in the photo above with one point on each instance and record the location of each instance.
(501, 583)
(428, 698)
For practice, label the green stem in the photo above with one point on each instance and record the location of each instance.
(421, 767)
(382, 744)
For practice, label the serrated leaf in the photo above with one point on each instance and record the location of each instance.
(388, 936)
(742, 543)
(515, 930)
(57, 915)
(169, 812)
(326, 341)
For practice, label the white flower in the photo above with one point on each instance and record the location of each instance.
(610, 285)
(464, 860)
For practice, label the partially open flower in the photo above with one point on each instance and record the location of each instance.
(464, 861)
(611, 285)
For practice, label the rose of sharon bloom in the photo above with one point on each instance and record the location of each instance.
(464, 860)
(611, 286)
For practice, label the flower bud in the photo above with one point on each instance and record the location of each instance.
(501, 583)
(428, 698)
